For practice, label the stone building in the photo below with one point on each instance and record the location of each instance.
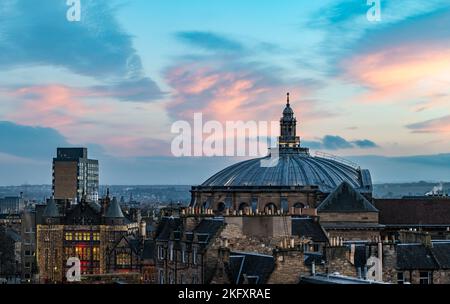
(95, 233)
(297, 184)
(296, 181)
(186, 250)
(348, 214)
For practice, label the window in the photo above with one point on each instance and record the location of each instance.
(161, 277)
(27, 253)
(171, 278)
(171, 251)
(426, 277)
(123, 259)
(27, 265)
(78, 236)
(194, 279)
(96, 254)
(400, 278)
(69, 236)
(184, 255)
(86, 236)
(160, 252)
(96, 236)
(194, 256)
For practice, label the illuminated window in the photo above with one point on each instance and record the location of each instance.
(96, 236)
(123, 259)
(68, 252)
(86, 236)
(96, 254)
(78, 236)
(69, 236)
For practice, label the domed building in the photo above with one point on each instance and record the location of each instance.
(289, 179)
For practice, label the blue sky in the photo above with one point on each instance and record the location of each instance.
(374, 92)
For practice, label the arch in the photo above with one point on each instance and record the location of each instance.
(244, 207)
(221, 207)
(271, 207)
(299, 206)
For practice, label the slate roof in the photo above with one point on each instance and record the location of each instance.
(209, 226)
(167, 226)
(114, 210)
(293, 169)
(148, 252)
(309, 228)
(414, 211)
(346, 199)
(441, 253)
(51, 210)
(415, 257)
(257, 266)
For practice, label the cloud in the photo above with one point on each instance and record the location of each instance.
(210, 41)
(407, 62)
(334, 142)
(438, 125)
(364, 144)
(234, 85)
(29, 142)
(96, 46)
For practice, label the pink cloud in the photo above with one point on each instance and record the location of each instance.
(403, 73)
(224, 94)
(439, 125)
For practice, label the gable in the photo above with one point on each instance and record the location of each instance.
(346, 199)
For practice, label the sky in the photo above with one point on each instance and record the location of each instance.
(374, 92)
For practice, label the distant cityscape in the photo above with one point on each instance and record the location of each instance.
(164, 194)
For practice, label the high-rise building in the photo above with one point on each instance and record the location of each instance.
(75, 175)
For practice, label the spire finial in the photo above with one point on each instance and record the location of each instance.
(288, 99)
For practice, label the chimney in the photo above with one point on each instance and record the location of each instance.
(143, 229)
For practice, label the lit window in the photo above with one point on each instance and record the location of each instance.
(123, 259)
(96, 254)
(69, 236)
(86, 236)
(96, 236)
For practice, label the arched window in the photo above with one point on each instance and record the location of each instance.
(243, 207)
(221, 207)
(271, 207)
(299, 206)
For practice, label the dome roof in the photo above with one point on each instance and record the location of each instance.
(296, 169)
